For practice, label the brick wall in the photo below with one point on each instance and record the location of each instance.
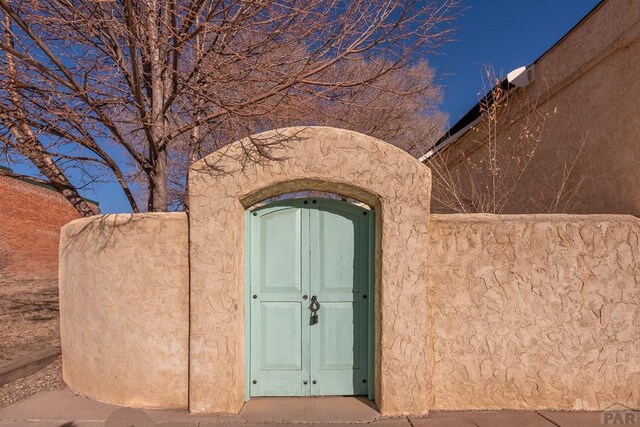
(30, 220)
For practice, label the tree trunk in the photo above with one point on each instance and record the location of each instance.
(159, 198)
(30, 147)
(28, 144)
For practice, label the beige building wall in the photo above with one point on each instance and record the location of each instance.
(586, 87)
(124, 308)
(534, 311)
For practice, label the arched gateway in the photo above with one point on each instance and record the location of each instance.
(222, 187)
(207, 311)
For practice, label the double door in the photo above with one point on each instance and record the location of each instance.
(309, 282)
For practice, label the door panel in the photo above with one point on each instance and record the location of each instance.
(338, 236)
(279, 338)
(333, 239)
(302, 248)
(339, 350)
(280, 251)
(280, 330)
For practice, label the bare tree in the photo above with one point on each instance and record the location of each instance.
(21, 135)
(398, 108)
(140, 89)
(485, 171)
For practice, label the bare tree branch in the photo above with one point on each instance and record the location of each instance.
(147, 87)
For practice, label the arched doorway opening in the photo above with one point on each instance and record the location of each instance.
(309, 296)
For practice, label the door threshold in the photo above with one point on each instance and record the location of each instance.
(298, 410)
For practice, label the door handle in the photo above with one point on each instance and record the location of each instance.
(314, 307)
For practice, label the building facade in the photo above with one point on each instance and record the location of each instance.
(566, 137)
(31, 215)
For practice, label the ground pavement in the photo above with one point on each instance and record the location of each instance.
(64, 408)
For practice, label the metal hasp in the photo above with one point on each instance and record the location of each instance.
(314, 307)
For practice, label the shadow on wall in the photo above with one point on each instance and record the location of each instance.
(124, 308)
(101, 231)
(260, 149)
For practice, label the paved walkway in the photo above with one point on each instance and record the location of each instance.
(64, 408)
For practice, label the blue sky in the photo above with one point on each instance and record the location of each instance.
(503, 34)
(500, 33)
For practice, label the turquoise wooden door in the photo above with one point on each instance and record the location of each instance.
(299, 251)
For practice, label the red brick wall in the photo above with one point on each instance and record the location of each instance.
(30, 220)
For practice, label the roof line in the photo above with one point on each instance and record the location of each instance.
(6, 171)
(474, 113)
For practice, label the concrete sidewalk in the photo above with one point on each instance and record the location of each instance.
(64, 408)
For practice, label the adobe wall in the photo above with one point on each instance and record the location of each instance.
(30, 220)
(521, 312)
(225, 183)
(124, 308)
(534, 311)
(586, 94)
(471, 311)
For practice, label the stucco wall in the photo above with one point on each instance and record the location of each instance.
(224, 184)
(585, 96)
(124, 308)
(535, 311)
(517, 312)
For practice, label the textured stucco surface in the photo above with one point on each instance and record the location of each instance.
(534, 311)
(224, 184)
(124, 308)
(472, 311)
